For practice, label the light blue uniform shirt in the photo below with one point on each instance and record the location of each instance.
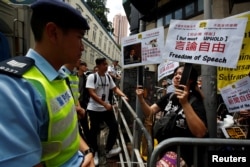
(24, 119)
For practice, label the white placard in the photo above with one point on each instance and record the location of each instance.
(211, 42)
(166, 68)
(236, 96)
(143, 48)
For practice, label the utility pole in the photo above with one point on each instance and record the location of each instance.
(209, 84)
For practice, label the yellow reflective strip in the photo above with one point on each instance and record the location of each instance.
(60, 126)
(70, 139)
(55, 106)
(74, 89)
(74, 82)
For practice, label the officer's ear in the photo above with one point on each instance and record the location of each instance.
(52, 32)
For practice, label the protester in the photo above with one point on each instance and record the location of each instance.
(191, 119)
(164, 85)
(112, 71)
(95, 69)
(84, 98)
(36, 101)
(99, 108)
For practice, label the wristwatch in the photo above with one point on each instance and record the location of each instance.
(90, 150)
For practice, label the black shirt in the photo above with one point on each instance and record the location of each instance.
(181, 128)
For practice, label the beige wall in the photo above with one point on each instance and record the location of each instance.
(98, 41)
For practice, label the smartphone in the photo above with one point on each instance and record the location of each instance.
(103, 97)
(185, 75)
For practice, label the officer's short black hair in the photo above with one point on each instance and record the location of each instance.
(58, 12)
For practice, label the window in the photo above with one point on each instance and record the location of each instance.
(178, 14)
(160, 22)
(192, 9)
(94, 33)
(85, 52)
(200, 5)
(88, 18)
(92, 57)
(109, 47)
(79, 8)
(167, 19)
(94, 36)
(100, 39)
(105, 45)
(189, 10)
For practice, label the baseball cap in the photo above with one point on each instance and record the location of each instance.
(60, 13)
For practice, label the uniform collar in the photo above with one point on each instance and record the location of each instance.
(47, 70)
(64, 72)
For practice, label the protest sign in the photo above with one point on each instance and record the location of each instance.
(236, 96)
(143, 48)
(211, 42)
(166, 68)
(227, 76)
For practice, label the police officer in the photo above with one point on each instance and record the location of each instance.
(38, 119)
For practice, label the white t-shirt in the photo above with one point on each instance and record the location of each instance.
(112, 70)
(102, 86)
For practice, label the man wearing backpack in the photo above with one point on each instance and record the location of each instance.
(100, 109)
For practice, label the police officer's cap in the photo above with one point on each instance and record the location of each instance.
(60, 13)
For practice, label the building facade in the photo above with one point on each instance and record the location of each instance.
(98, 42)
(155, 14)
(120, 25)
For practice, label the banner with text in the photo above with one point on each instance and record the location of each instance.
(236, 96)
(143, 48)
(166, 68)
(211, 42)
(227, 76)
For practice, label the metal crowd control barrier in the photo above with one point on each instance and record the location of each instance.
(195, 142)
(132, 158)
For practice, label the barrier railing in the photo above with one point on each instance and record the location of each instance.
(134, 157)
(195, 142)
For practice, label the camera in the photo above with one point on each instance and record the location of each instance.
(103, 97)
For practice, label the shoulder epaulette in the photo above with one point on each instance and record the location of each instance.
(16, 66)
